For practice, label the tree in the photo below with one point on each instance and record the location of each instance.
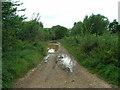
(11, 24)
(113, 26)
(95, 24)
(59, 31)
(77, 28)
(41, 24)
(30, 28)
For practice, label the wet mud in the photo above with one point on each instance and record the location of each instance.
(59, 69)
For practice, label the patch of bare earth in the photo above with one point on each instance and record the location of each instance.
(59, 70)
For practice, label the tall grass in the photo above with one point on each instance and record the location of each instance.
(99, 54)
(20, 60)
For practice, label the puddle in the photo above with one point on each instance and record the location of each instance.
(66, 62)
(51, 50)
(63, 60)
(46, 58)
(52, 47)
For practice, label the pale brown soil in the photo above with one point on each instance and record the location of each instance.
(50, 75)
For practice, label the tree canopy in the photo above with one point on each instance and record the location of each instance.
(113, 26)
(94, 24)
(59, 31)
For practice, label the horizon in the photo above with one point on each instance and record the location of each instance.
(66, 13)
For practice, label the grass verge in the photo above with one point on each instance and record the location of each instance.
(98, 54)
(17, 62)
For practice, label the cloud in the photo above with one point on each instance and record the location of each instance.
(66, 12)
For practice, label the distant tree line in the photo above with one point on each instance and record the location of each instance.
(18, 33)
(94, 24)
(16, 28)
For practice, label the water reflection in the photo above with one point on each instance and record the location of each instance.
(66, 62)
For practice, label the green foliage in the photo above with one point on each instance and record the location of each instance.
(17, 63)
(23, 45)
(77, 28)
(41, 24)
(113, 26)
(11, 24)
(99, 54)
(94, 24)
(58, 32)
(21, 49)
(29, 30)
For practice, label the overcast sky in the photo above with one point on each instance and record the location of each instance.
(66, 12)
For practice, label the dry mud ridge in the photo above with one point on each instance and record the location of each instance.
(59, 70)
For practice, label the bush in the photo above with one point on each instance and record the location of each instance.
(17, 63)
(99, 54)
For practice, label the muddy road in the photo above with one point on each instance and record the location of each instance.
(59, 70)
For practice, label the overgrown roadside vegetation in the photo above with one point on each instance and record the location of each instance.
(93, 42)
(96, 47)
(19, 61)
(23, 47)
(99, 54)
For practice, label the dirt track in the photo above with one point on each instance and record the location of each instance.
(51, 75)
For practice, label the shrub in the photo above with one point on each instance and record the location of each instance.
(99, 54)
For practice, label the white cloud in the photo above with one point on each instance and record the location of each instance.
(66, 12)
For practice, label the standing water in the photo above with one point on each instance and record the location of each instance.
(63, 60)
(51, 50)
(66, 62)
